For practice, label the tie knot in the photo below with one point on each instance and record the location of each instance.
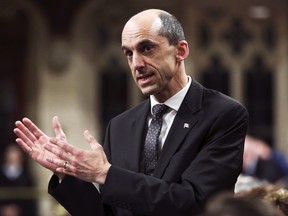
(159, 109)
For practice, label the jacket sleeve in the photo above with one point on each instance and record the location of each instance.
(77, 197)
(215, 168)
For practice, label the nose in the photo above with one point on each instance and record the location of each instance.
(138, 62)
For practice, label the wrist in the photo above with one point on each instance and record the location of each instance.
(102, 177)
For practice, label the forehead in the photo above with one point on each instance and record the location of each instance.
(140, 29)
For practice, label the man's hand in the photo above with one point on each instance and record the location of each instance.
(89, 165)
(31, 139)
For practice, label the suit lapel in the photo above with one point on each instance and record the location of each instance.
(138, 128)
(183, 123)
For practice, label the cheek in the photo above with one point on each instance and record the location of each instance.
(168, 63)
(133, 73)
(169, 69)
(131, 68)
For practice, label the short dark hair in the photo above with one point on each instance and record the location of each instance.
(171, 28)
(227, 204)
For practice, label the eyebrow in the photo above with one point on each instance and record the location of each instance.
(141, 43)
(146, 41)
(123, 48)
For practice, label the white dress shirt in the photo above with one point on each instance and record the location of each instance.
(174, 104)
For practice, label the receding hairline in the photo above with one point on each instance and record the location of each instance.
(159, 21)
(157, 12)
(147, 13)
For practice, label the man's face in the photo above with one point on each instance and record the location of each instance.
(151, 59)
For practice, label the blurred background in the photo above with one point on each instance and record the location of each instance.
(64, 58)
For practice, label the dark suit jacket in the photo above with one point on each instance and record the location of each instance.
(196, 162)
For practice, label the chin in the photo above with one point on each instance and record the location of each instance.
(145, 93)
(148, 90)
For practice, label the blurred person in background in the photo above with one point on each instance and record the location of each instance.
(279, 199)
(226, 204)
(264, 162)
(13, 176)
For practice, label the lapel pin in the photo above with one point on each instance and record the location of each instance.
(186, 125)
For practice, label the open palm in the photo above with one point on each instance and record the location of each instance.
(32, 140)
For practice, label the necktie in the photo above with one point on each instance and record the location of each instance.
(151, 142)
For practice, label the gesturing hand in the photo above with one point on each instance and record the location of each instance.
(89, 165)
(31, 139)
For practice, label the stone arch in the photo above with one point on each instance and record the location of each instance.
(96, 38)
(30, 48)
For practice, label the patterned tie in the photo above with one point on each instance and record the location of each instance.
(151, 142)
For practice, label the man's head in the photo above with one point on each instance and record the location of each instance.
(154, 44)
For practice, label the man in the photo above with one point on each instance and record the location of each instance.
(200, 144)
(13, 174)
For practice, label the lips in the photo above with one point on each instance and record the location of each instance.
(145, 76)
(145, 79)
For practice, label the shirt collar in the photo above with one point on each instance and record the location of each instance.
(176, 100)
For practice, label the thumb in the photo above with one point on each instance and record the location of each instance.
(59, 133)
(91, 140)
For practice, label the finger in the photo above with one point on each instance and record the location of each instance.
(25, 132)
(66, 171)
(24, 141)
(66, 148)
(33, 128)
(58, 129)
(57, 162)
(59, 152)
(62, 166)
(91, 140)
(26, 148)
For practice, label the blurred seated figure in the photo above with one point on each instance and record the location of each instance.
(278, 198)
(247, 183)
(13, 175)
(10, 210)
(271, 194)
(226, 204)
(263, 162)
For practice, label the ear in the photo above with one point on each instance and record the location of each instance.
(182, 50)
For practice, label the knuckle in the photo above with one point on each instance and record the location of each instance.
(74, 162)
(99, 148)
(79, 154)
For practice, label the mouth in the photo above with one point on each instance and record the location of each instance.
(145, 79)
(145, 76)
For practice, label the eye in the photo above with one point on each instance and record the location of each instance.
(128, 54)
(147, 48)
